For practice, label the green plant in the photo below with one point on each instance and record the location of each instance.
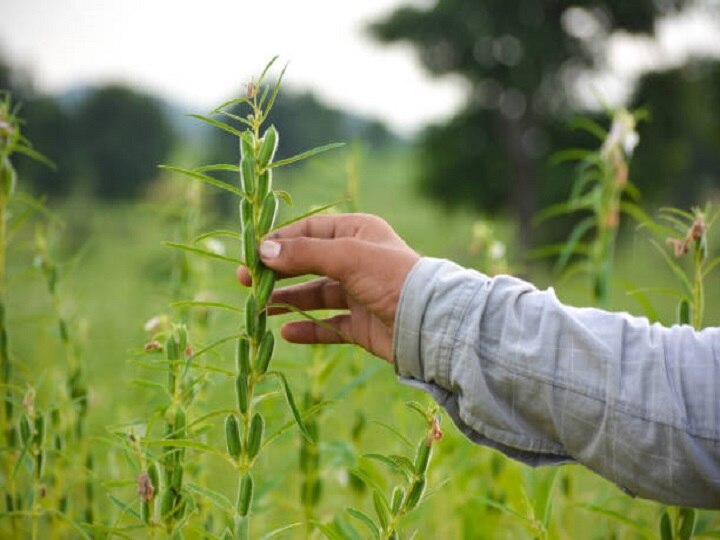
(601, 183)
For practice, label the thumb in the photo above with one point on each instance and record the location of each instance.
(334, 258)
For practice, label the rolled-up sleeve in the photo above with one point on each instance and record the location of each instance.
(547, 383)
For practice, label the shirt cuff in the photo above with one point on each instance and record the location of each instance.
(433, 303)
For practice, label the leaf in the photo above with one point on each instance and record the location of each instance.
(327, 531)
(395, 432)
(220, 125)
(150, 384)
(203, 252)
(575, 236)
(638, 526)
(312, 212)
(676, 211)
(588, 125)
(305, 155)
(319, 322)
(204, 178)
(35, 155)
(215, 305)
(308, 413)
(280, 530)
(365, 520)
(711, 266)
(285, 196)
(274, 94)
(212, 234)
(266, 69)
(185, 443)
(291, 403)
(230, 102)
(675, 268)
(397, 463)
(570, 154)
(124, 507)
(217, 167)
(218, 499)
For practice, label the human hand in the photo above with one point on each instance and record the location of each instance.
(363, 264)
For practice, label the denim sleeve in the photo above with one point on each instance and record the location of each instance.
(546, 383)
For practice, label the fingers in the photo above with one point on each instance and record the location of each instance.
(320, 293)
(328, 226)
(297, 256)
(336, 329)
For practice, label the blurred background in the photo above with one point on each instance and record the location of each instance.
(452, 111)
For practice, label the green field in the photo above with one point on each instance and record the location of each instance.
(115, 275)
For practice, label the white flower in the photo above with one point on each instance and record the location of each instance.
(156, 324)
(496, 250)
(622, 134)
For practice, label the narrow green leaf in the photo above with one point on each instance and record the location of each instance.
(220, 125)
(291, 403)
(185, 443)
(124, 507)
(365, 520)
(667, 210)
(572, 242)
(314, 211)
(267, 68)
(638, 526)
(217, 167)
(280, 530)
(203, 252)
(35, 155)
(395, 432)
(213, 234)
(198, 304)
(275, 91)
(317, 321)
(218, 499)
(687, 288)
(204, 178)
(285, 196)
(328, 531)
(588, 125)
(570, 154)
(305, 155)
(397, 465)
(231, 102)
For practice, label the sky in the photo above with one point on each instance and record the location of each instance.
(199, 54)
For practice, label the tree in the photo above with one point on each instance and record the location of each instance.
(518, 58)
(123, 135)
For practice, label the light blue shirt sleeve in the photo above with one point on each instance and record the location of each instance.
(546, 383)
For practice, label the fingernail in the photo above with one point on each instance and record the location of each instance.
(269, 249)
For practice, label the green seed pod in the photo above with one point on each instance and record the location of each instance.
(167, 503)
(145, 511)
(232, 436)
(422, 457)
(268, 146)
(241, 389)
(250, 247)
(247, 174)
(179, 509)
(666, 527)
(264, 353)
(64, 333)
(381, 509)
(247, 144)
(179, 428)
(25, 430)
(257, 426)
(264, 185)
(242, 356)
(39, 435)
(182, 339)
(415, 494)
(245, 494)
(154, 476)
(177, 479)
(8, 178)
(393, 535)
(260, 326)
(251, 315)
(39, 463)
(172, 348)
(397, 499)
(688, 517)
(246, 212)
(265, 286)
(315, 491)
(268, 211)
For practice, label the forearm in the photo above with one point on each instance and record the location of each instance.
(547, 383)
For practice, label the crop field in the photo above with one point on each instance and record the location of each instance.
(147, 397)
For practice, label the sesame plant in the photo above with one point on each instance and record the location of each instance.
(602, 191)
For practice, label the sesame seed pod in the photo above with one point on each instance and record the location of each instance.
(268, 212)
(154, 476)
(39, 435)
(167, 503)
(182, 339)
(381, 509)
(251, 315)
(246, 212)
(177, 479)
(25, 430)
(242, 356)
(268, 146)
(260, 326)
(397, 499)
(241, 389)
(264, 353)
(247, 174)
(39, 463)
(232, 436)
(257, 426)
(422, 457)
(145, 511)
(393, 535)
(265, 286)
(64, 334)
(416, 491)
(245, 494)
(250, 247)
(315, 491)
(247, 144)
(264, 185)
(179, 431)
